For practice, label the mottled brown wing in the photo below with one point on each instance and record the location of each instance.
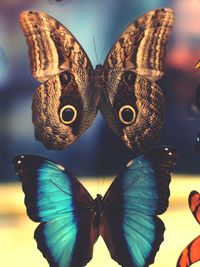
(142, 46)
(132, 104)
(52, 48)
(61, 111)
(134, 110)
(65, 105)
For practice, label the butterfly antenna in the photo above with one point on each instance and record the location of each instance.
(98, 182)
(95, 50)
(106, 44)
(103, 182)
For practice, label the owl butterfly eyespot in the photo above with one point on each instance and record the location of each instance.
(127, 114)
(123, 88)
(191, 253)
(68, 114)
(70, 227)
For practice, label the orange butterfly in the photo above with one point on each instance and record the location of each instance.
(191, 253)
(197, 66)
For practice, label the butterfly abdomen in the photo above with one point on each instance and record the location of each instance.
(98, 209)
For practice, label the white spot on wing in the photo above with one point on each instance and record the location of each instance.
(129, 163)
(60, 167)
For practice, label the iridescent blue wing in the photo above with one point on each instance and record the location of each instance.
(130, 226)
(63, 206)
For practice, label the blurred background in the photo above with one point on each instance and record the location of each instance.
(98, 152)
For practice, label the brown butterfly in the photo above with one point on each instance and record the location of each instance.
(123, 88)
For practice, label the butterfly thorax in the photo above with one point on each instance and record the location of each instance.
(99, 69)
(98, 77)
(98, 208)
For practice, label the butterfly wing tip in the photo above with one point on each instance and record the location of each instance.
(26, 12)
(17, 160)
(193, 192)
(197, 66)
(22, 14)
(165, 10)
(170, 150)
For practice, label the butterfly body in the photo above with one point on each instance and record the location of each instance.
(99, 75)
(71, 220)
(123, 88)
(98, 211)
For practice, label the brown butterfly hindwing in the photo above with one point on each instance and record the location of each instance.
(135, 111)
(60, 112)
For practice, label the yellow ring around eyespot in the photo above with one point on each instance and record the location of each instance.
(74, 117)
(120, 114)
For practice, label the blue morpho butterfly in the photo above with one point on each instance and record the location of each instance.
(71, 220)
